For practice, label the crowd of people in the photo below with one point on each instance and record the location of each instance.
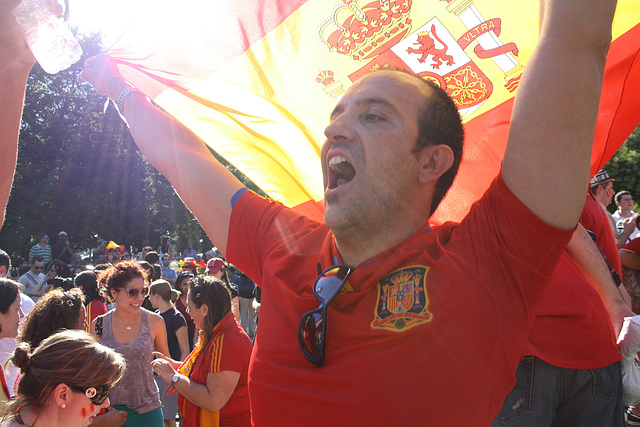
(371, 317)
(129, 308)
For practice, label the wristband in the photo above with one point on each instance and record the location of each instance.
(128, 91)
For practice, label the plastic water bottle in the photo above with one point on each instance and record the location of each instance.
(49, 38)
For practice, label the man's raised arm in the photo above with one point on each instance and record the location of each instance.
(205, 186)
(554, 114)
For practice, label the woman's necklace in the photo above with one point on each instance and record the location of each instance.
(127, 327)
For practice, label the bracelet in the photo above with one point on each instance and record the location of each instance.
(128, 91)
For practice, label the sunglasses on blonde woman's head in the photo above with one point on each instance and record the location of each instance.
(133, 292)
(96, 395)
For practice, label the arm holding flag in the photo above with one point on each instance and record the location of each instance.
(555, 110)
(172, 149)
(15, 62)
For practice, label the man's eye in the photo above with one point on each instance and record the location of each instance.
(373, 118)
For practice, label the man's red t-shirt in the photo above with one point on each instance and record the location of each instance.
(429, 332)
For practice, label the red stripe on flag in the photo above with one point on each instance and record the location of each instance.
(620, 101)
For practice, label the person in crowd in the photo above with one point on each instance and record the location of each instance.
(76, 265)
(392, 149)
(8, 344)
(94, 298)
(62, 250)
(162, 298)
(152, 257)
(10, 314)
(135, 333)
(625, 214)
(41, 248)
(191, 265)
(165, 247)
(34, 280)
(168, 273)
(602, 190)
(66, 381)
(144, 252)
(113, 252)
(182, 286)
(217, 268)
(630, 259)
(246, 296)
(5, 267)
(189, 252)
(58, 309)
(212, 382)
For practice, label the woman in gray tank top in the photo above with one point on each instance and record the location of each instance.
(135, 333)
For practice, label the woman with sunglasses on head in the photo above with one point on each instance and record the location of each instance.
(65, 383)
(10, 314)
(212, 381)
(133, 332)
(182, 286)
(58, 310)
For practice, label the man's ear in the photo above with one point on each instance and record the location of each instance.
(435, 161)
(3, 271)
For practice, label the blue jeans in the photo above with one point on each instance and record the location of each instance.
(546, 395)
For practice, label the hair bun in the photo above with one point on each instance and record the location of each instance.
(22, 357)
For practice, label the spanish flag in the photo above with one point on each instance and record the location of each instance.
(257, 79)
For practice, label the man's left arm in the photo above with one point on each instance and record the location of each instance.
(590, 261)
(555, 110)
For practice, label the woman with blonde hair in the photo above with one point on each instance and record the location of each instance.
(66, 381)
(162, 297)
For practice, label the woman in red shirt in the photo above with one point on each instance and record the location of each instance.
(212, 381)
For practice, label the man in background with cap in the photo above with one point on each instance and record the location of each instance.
(602, 190)
(62, 250)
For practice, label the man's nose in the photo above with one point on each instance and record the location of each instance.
(340, 129)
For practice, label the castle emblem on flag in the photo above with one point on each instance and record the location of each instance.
(378, 33)
(402, 300)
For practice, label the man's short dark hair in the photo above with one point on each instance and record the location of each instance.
(439, 123)
(37, 258)
(5, 260)
(620, 194)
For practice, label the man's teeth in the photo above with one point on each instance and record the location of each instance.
(341, 181)
(337, 159)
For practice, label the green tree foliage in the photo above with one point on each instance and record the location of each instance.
(80, 171)
(624, 166)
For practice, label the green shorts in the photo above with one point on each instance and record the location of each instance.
(148, 419)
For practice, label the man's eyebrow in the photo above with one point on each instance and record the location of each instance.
(365, 101)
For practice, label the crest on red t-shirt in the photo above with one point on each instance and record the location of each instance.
(402, 300)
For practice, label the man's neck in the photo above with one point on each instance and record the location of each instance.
(625, 213)
(355, 251)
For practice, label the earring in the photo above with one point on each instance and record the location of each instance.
(64, 405)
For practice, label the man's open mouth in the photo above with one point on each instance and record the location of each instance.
(341, 171)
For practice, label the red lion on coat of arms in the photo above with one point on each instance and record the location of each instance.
(428, 47)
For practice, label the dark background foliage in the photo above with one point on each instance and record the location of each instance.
(80, 171)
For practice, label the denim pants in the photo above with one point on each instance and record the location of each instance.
(546, 395)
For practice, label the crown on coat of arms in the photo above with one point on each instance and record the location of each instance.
(364, 31)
